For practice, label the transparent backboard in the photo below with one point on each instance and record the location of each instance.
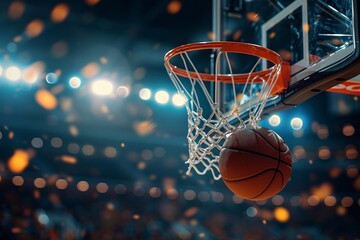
(319, 38)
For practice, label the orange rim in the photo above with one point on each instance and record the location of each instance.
(233, 47)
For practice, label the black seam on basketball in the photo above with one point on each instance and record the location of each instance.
(255, 175)
(282, 183)
(264, 155)
(273, 177)
(269, 142)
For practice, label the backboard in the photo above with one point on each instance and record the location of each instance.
(319, 38)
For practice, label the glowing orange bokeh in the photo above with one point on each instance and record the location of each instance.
(92, 2)
(90, 70)
(174, 7)
(144, 128)
(34, 28)
(18, 161)
(253, 16)
(46, 99)
(16, 10)
(281, 214)
(68, 159)
(33, 72)
(60, 13)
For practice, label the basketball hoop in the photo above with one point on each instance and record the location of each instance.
(208, 129)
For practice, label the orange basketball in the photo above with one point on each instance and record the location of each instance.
(255, 163)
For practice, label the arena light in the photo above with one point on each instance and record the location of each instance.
(178, 100)
(122, 91)
(102, 87)
(274, 120)
(162, 97)
(1, 71)
(296, 123)
(75, 82)
(51, 78)
(145, 94)
(13, 73)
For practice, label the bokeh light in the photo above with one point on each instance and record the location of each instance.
(18, 161)
(56, 142)
(18, 181)
(16, 9)
(162, 97)
(237, 200)
(110, 152)
(75, 82)
(120, 189)
(33, 73)
(39, 183)
(253, 16)
(13, 73)
(299, 152)
(278, 200)
(322, 132)
(34, 28)
(347, 201)
(59, 49)
(296, 123)
(46, 99)
(145, 94)
(189, 195)
(122, 91)
(155, 192)
(274, 120)
(61, 184)
(348, 130)
(92, 2)
(324, 152)
(203, 196)
(82, 186)
(251, 211)
(351, 152)
(313, 200)
(88, 150)
(43, 218)
(102, 187)
(174, 7)
(60, 13)
(37, 142)
(90, 70)
(281, 214)
(178, 100)
(330, 201)
(102, 87)
(51, 78)
(172, 193)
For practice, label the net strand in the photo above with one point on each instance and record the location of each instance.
(208, 132)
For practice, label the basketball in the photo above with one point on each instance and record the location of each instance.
(255, 163)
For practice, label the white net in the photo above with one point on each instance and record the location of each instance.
(208, 125)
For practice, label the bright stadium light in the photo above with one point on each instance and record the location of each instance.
(145, 94)
(296, 123)
(1, 71)
(75, 82)
(162, 97)
(13, 73)
(275, 120)
(102, 87)
(178, 99)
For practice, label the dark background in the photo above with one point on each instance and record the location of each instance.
(131, 152)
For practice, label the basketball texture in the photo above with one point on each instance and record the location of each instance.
(255, 163)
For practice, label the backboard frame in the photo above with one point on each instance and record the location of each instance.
(314, 79)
